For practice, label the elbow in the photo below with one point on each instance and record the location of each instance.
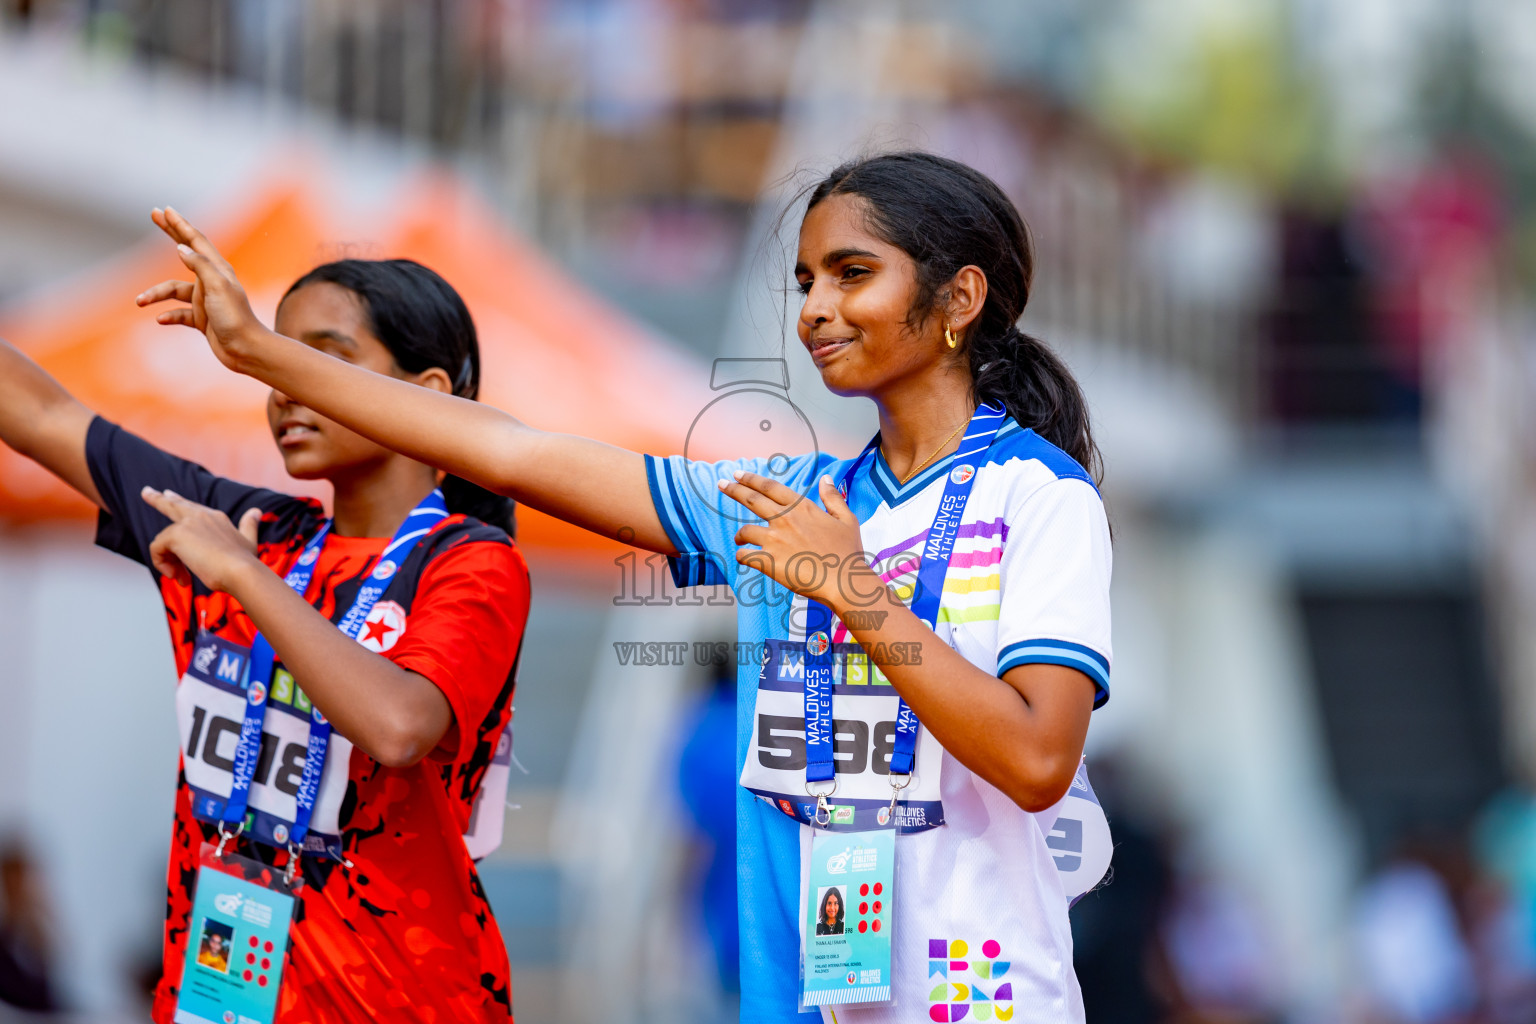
(1039, 783)
(408, 724)
(400, 744)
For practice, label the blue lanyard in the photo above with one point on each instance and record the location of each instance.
(927, 593)
(416, 526)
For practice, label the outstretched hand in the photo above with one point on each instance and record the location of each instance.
(216, 303)
(201, 541)
(817, 554)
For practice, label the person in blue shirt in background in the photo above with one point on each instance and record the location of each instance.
(706, 780)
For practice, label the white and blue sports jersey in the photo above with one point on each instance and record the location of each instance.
(982, 930)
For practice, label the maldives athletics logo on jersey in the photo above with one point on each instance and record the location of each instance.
(383, 627)
(971, 993)
(962, 473)
(257, 694)
(817, 643)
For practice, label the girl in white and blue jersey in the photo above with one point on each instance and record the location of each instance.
(914, 270)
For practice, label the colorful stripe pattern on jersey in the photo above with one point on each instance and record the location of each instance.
(1028, 582)
(405, 932)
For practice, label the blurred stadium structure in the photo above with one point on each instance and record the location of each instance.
(1286, 245)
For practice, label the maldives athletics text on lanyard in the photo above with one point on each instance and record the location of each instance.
(432, 510)
(849, 898)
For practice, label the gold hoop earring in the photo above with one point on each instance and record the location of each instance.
(950, 339)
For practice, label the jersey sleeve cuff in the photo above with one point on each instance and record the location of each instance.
(691, 566)
(1059, 652)
(428, 667)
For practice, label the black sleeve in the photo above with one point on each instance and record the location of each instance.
(122, 464)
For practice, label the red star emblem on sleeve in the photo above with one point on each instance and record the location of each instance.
(376, 631)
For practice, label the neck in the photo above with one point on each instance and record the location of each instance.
(916, 416)
(375, 501)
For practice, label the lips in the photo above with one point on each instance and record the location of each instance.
(291, 433)
(823, 349)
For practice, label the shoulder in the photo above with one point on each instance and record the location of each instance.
(462, 564)
(1022, 452)
(1032, 488)
(464, 543)
(287, 523)
(458, 529)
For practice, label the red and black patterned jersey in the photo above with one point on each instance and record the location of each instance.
(403, 932)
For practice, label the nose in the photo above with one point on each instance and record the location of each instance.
(817, 309)
(280, 400)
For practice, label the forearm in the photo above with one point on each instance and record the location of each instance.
(395, 716)
(44, 422)
(1028, 748)
(596, 486)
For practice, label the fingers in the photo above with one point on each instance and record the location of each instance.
(158, 216)
(199, 254)
(177, 227)
(753, 558)
(250, 525)
(768, 487)
(181, 229)
(753, 500)
(835, 505)
(164, 559)
(168, 503)
(181, 291)
(177, 318)
(205, 269)
(752, 534)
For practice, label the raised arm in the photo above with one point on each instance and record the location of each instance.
(42, 421)
(593, 485)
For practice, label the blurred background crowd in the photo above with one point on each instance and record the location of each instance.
(1286, 244)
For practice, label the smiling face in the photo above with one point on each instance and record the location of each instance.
(834, 907)
(859, 292)
(330, 318)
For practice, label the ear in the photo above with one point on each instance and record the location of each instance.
(435, 378)
(967, 295)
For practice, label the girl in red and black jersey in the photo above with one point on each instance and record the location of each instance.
(397, 926)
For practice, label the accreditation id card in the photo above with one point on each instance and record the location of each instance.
(237, 937)
(847, 913)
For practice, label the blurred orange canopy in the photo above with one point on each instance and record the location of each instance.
(552, 353)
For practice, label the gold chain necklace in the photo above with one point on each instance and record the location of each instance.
(919, 467)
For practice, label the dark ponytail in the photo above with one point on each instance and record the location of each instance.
(424, 323)
(946, 216)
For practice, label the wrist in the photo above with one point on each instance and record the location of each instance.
(248, 347)
(860, 590)
(244, 573)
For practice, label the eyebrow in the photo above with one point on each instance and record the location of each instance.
(313, 337)
(836, 256)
